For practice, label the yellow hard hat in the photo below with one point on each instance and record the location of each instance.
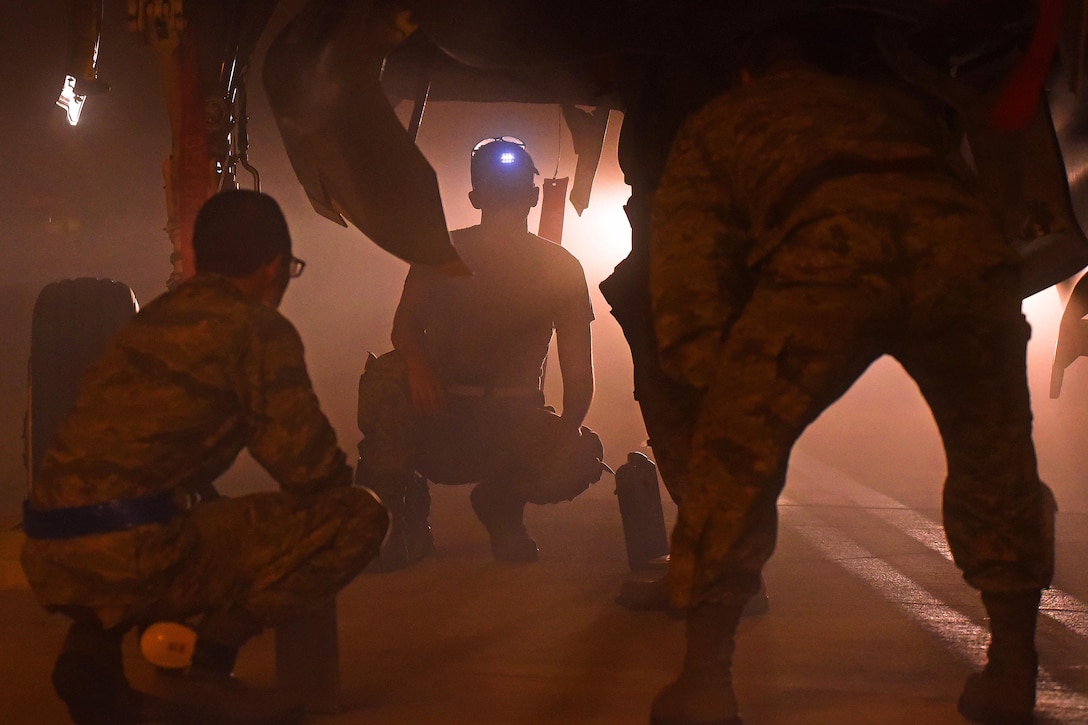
(168, 645)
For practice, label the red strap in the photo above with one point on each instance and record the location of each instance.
(1018, 99)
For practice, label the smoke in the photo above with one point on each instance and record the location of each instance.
(343, 305)
(89, 202)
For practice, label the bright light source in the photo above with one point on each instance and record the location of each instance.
(70, 101)
(601, 237)
(506, 157)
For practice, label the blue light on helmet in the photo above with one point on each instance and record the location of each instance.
(503, 161)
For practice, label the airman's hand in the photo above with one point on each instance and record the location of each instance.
(428, 392)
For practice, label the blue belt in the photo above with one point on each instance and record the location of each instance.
(103, 518)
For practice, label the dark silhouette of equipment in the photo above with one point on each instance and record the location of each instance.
(73, 321)
(640, 507)
(551, 209)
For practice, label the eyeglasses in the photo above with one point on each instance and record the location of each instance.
(504, 139)
(295, 267)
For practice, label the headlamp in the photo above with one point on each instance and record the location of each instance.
(502, 161)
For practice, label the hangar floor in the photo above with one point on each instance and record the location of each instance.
(869, 622)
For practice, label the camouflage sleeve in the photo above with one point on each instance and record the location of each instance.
(698, 246)
(289, 435)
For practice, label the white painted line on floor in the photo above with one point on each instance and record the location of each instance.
(958, 632)
(1060, 606)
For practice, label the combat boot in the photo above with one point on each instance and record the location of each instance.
(503, 517)
(207, 693)
(89, 677)
(210, 697)
(1004, 692)
(703, 693)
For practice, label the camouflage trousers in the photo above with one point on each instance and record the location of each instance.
(239, 564)
(820, 313)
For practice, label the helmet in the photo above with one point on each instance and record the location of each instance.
(168, 645)
(556, 462)
(501, 162)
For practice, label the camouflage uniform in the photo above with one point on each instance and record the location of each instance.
(199, 374)
(806, 225)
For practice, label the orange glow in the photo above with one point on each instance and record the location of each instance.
(601, 237)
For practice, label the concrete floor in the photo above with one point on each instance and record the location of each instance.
(869, 622)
